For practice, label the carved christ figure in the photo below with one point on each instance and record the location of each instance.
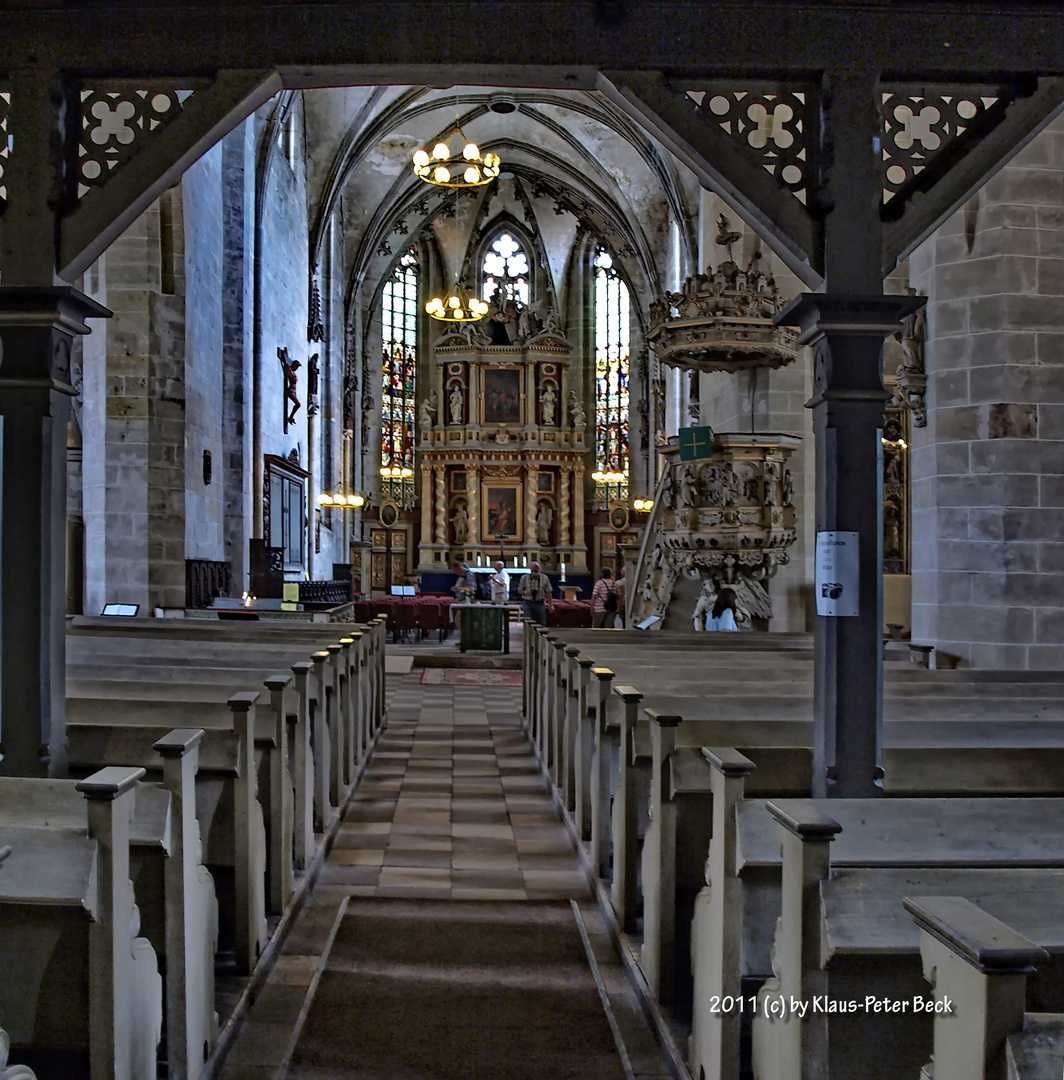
(291, 386)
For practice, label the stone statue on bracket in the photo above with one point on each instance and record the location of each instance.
(456, 402)
(549, 402)
(576, 411)
(460, 521)
(544, 520)
(429, 408)
(787, 489)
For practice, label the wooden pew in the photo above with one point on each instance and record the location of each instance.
(227, 809)
(979, 966)
(175, 893)
(10, 1072)
(834, 922)
(88, 985)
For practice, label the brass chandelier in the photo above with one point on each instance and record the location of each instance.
(461, 168)
(456, 305)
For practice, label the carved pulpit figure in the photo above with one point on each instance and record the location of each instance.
(291, 387)
(549, 402)
(688, 495)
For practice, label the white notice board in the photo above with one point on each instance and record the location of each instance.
(836, 573)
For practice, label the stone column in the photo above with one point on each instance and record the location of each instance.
(473, 500)
(580, 499)
(846, 334)
(564, 517)
(37, 326)
(426, 514)
(531, 495)
(441, 504)
(987, 470)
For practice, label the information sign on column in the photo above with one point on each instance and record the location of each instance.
(836, 573)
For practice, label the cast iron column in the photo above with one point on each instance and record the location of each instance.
(37, 326)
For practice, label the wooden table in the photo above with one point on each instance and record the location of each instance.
(483, 627)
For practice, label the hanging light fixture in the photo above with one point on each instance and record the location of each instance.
(610, 477)
(456, 163)
(328, 498)
(456, 305)
(395, 472)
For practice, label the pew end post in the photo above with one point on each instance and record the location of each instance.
(559, 696)
(600, 776)
(978, 967)
(114, 1047)
(319, 735)
(658, 956)
(570, 722)
(336, 725)
(790, 1046)
(624, 887)
(303, 821)
(279, 873)
(247, 946)
(716, 945)
(191, 1024)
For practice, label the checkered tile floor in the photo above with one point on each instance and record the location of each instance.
(453, 805)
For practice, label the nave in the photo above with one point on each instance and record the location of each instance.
(447, 934)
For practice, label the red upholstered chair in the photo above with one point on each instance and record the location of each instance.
(430, 616)
(363, 611)
(405, 612)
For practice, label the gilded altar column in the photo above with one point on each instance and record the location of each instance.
(531, 490)
(441, 504)
(564, 519)
(426, 511)
(473, 501)
(579, 540)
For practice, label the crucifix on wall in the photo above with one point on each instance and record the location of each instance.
(291, 386)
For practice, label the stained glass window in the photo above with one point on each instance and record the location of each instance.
(611, 381)
(506, 268)
(399, 312)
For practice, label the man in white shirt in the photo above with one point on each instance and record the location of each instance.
(500, 583)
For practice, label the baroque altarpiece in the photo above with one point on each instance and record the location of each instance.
(502, 455)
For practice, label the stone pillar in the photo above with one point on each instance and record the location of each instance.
(441, 504)
(987, 470)
(426, 513)
(565, 488)
(37, 326)
(580, 501)
(473, 499)
(531, 495)
(846, 334)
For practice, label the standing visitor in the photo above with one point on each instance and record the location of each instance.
(622, 594)
(722, 617)
(535, 590)
(500, 583)
(604, 597)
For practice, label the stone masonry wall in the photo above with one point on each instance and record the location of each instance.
(988, 470)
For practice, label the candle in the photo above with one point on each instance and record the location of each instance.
(524, 561)
(515, 562)
(563, 571)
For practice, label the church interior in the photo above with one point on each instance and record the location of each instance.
(313, 315)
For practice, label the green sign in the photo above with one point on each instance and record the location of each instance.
(695, 442)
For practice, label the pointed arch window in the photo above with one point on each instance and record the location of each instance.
(399, 317)
(612, 332)
(506, 267)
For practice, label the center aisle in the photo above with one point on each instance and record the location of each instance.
(446, 944)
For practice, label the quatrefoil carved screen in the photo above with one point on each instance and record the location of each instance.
(917, 128)
(5, 103)
(773, 127)
(114, 121)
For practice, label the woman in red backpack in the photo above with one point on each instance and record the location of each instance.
(605, 600)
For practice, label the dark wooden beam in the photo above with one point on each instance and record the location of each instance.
(925, 211)
(104, 212)
(338, 40)
(720, 163)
